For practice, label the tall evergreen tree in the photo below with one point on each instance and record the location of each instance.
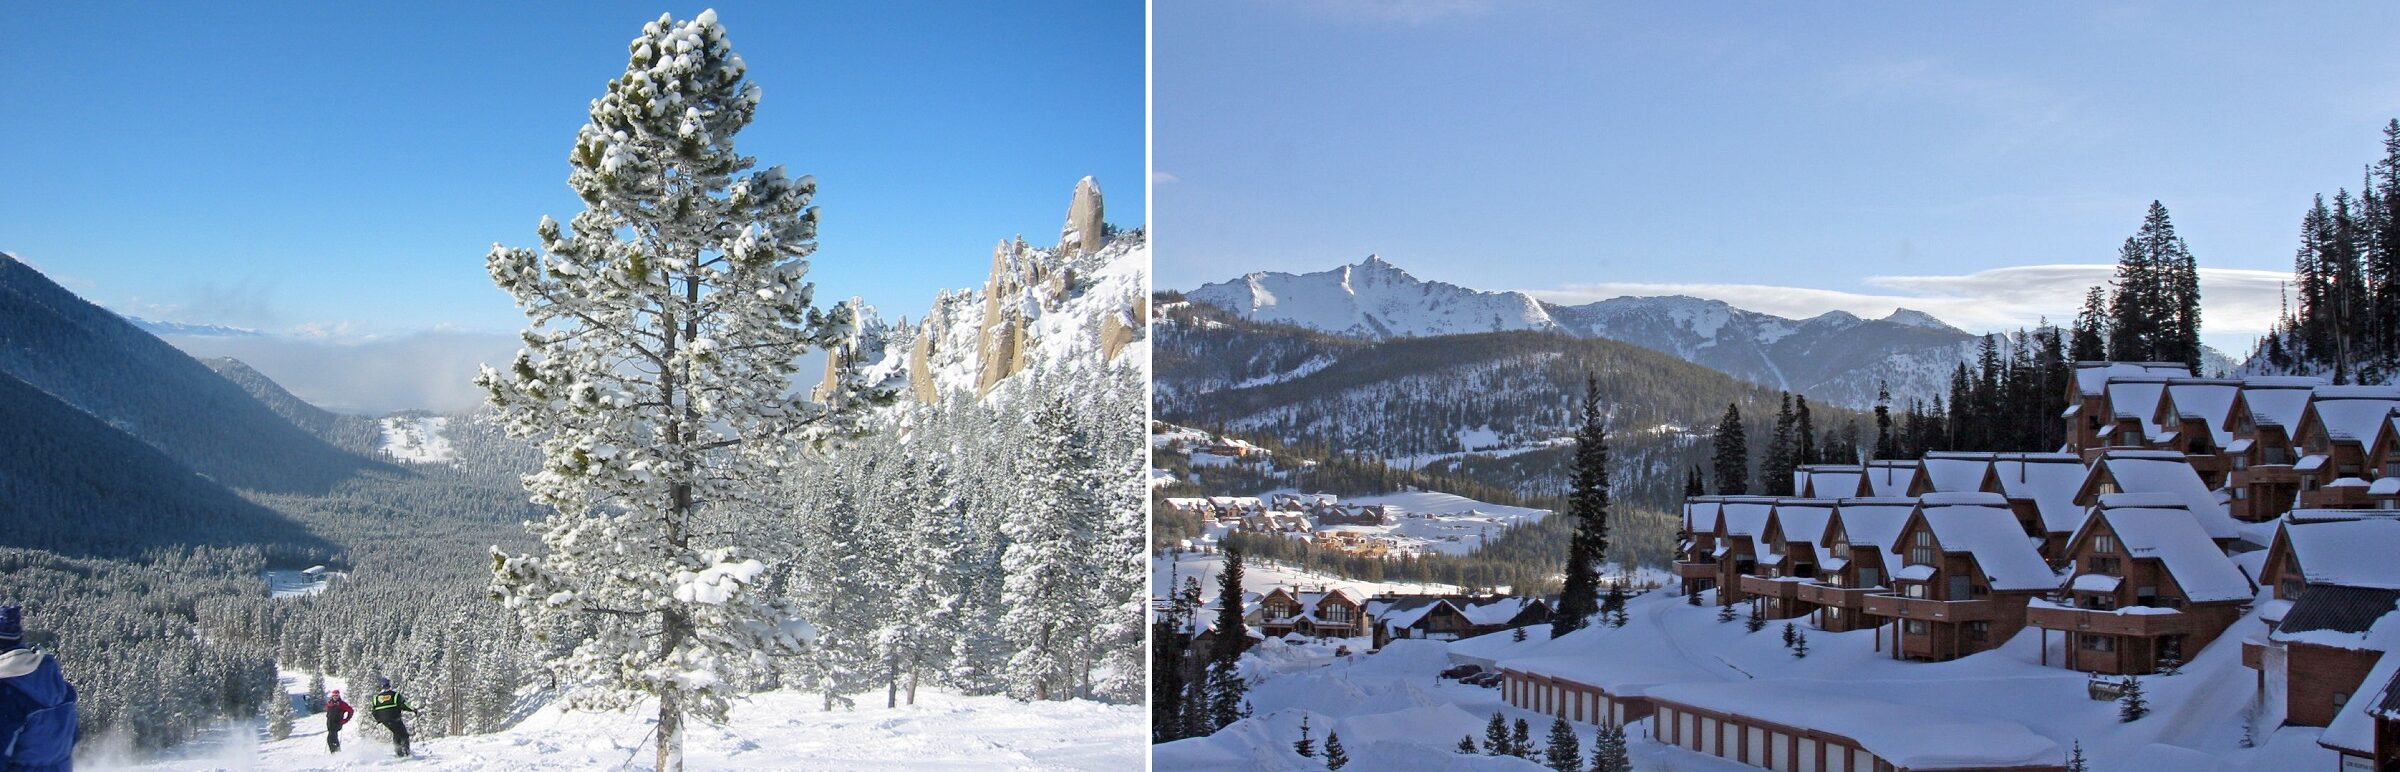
(1226, 690)
(1732, 454)
(1778, 465)
(1694, 484)
(1609, 753)
(1495, 737)
(1564, 752)
(1887, 445)
(2090, 340)
(1520, 740)
(1804, 433)
(1588, 505)
(1166, 683)
(657, 378)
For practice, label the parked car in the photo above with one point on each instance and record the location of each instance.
(1462, 671)
(1488, 680)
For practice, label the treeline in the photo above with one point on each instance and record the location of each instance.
(1524, 558)
(2342, 316)
(2151, 312)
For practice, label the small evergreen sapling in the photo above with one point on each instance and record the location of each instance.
(1466, 744)
(1608, 750)
(1495, 737)
(1621, 618)
(279, 714)
(2170, 665)
(1800, 646)
(1725, 613)
(1335, 757)
(1757, 621)
(2075, 762)
(1565, 753)
(316, 693)
(1791, 634)
(1519, 637)
(1520, 740)
(1305, 746)
(2132, 707)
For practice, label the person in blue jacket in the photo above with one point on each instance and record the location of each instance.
(37, 705)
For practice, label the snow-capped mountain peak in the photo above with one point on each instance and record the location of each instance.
(1374, 299)
(1916, 318)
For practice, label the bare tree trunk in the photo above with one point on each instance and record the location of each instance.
(891, 685)
(914, 662)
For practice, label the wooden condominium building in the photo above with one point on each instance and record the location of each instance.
(2195, 416)
(2161, 472)
(1335, 613)
(1793, 554)
(1765, 724)
(2094, 420)
(1966, 572)
(1860, 548)
(2337, 435)
(2150, 587)
(2259, 476)
(2336, 582)
(1696, 544)
(1451, 617)
(1735, 526)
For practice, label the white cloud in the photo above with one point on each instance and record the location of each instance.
(416, 371)
(1162, 178)
(2237, 304)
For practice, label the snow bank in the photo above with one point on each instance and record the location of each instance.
(1908, 736)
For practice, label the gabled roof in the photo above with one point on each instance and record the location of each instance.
(2166, 471)
(1745, 516)
(1700, 513)
(2049, 480)
(1952, 472)
(2278, 401)
(1891, 478)
(2353, 413)
(1875, 522)
(1981, 524)
(1497, 611)
(2137, 397)
(2174, 539)
(2336, 609)
(2353, 553)
(2353, 729)
(2091, 378)
(1803, 519)
(2207, 400)
(1833, 480)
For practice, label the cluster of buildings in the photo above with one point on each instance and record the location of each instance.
(1341, 612)
(2118, 546)
(1297, 515)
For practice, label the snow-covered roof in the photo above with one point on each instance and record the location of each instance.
(1890, 478)
(1951, 472)
(1496, 611)
(2176, 540)
(2385, 486)
(1803, 519)
(2206, 400)
(2351, 553)
(1834, 480)
(2050, 480)
(2096, 583)
(1912, 737)
(1745, 516)
(2353, 727)
(1990, 532)
(1700, 514)
(1404, 612)
(2166, 471)
(2091, 378)
(1875, 522)
(2277, 402)
(2358, 414)
(2357, 618)
(2137, 397)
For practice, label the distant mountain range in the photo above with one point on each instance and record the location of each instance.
(1834, 357)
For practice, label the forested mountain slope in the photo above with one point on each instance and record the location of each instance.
(97, 361)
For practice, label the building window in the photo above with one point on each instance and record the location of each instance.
(2241, 494)
(2108, 566)
(2104, 544)
(1913, 589)
(1977, 631)
(1917, 627)
(2108, 487)
(1869, 576)
(2099, 643)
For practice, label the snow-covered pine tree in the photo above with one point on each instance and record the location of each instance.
(278, 712)
(1564, 753)
(1757, 620)
(1226, 690)
(657, 378)
(2132, 706)
(1800, 646)
(1335, 756)
(1791, 633)
(1520, 740)
(1466, 744)
(1495, 737)
(1609, 753)
(315, 701)
(1305, 746)
(1050, 560)
(1588, 506)
(1122, 593)
(1725, 613)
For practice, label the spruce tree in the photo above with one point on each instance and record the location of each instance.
(1335, 757)
(2090, 340)
(1466, 744)
(316, 692)
(1564, 752)
(279, 713)
(1226, 690)
(1695, 485)
(1724, 611)
(1520, 740)
(657, 378)
(1791, 633)
(1166, 683)
(1777, 467)
(2132, 706)
(1609, 753)
(1732, 454)
(1305, 746)
(1804, 434)
(2075, 762)
(1757, 620)
(1887, 445)
(1495, 737)
(1800, 646)
(1588, 506)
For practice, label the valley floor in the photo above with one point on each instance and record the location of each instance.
(1393, 713)
(775, 730)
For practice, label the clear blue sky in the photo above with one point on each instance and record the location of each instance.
(1593, 149)
(286, 165)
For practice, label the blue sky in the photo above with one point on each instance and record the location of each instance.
(1776, 155)
(344, 167)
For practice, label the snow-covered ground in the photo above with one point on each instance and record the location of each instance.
(775, 730)
(287, 583)
(1431, 521)
(417, 439)
(1261, 576)
(1394, 714)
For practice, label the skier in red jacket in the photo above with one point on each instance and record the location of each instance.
(337, 713)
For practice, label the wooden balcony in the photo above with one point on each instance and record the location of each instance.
(1836, 597)
(1884, 605)
(2266, 474)
(1704, 568)
(2141, 625)
(1778, 589)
